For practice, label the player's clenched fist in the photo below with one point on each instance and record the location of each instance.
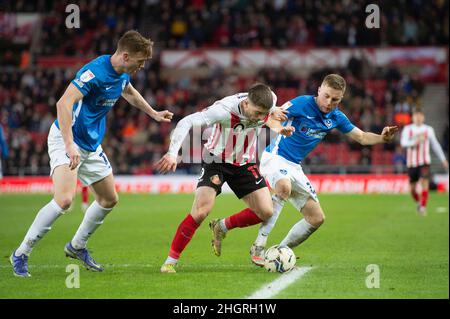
(287, 130)
(166, 164)
(279, 114)
(163, 116)
(74, 156)
(388, 133)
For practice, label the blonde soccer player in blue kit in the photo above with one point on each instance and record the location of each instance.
(74, 146)
(312, 117)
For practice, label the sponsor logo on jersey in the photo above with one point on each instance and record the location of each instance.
(287, 105)
(106, 102)
(79, 83)
(312, 132)
(87, 76)
(283, 171)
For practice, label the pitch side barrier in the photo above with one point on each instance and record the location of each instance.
(178, 184)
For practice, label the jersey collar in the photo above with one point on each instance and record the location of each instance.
(110, 67)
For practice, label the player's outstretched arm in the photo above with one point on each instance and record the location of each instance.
(169, 161)
(438, 149)
(64, 108)
(368, 138)
(135, 98)
(275, 125)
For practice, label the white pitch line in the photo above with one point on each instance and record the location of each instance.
(273, 288)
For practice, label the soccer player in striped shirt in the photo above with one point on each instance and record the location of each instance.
(229, 157)
(416, 138)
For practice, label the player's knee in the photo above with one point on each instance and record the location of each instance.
(284, 191)
(64, 201)
(265, 213)
(317, 219)
(200, 213)
(109, 202)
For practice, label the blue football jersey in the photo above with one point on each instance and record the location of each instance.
(311, 126)
(101, 87)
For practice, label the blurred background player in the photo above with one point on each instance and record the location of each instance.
(84, 198)
(237, 121)
(416, 138)
(312, 117)
(74, 145)
(4, 151)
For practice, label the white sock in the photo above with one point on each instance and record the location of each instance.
(267, 226)
(93, 218)
(41, 225)
(223, 226)
(298, 234)
(171, 260)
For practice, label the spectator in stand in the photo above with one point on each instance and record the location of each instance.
(4, 150)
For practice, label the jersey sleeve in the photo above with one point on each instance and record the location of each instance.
(216, 113)
(85, 80)
(294, 107)
(435, 145)
(405, 140)
(344, 125)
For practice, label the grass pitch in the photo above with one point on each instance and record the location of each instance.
(411, 252)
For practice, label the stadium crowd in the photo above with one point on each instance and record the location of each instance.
(240, 23)
(374, 96)
(134, 141)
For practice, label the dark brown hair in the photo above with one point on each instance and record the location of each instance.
(417, 109)
(261, 95)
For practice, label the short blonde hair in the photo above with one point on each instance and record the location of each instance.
(133, 42)
(335, 81)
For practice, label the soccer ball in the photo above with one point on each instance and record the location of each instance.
(279, 259)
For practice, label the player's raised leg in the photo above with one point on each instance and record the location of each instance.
(203, 203)
(260, 208)
(105, 199)
(64, 181)
(313, 218)
(282, 192)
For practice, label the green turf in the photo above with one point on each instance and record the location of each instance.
(411, 251)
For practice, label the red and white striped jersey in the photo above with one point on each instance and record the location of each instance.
(233, 136)
(416, 139)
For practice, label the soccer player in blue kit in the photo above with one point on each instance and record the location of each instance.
(312, 117)
(74, 146)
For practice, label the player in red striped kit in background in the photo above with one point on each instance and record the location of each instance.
(84, 198)
(416, 138)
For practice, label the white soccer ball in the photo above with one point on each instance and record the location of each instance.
(279, 259)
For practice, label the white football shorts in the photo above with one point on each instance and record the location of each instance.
(93, 167)
(274, 167)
